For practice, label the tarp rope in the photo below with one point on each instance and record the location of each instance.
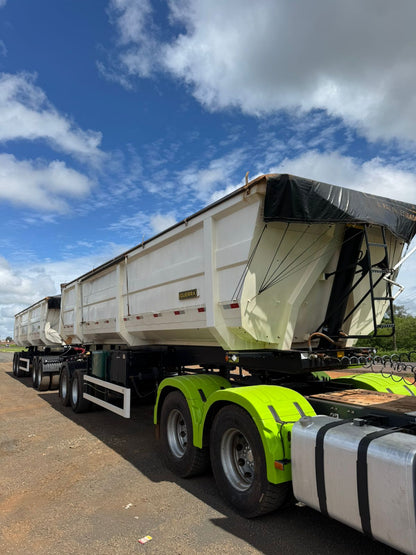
(239, 287)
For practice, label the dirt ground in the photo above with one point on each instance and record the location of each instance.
(94, 483)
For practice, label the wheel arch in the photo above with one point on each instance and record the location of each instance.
(379, 382)
(197, 390)
(273, 409)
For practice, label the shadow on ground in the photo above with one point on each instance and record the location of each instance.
(134, 440)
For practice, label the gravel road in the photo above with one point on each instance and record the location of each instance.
(94, 483)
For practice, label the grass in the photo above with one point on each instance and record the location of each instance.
(11, 349)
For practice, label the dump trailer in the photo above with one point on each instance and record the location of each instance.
(36, 329)
(231, 320)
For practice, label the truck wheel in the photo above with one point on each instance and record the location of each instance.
(65, 387)
(176, 435)
(78, 403)
(43, 378)
(239, 464)
(35, 376)
(54, 381)
(16, 361)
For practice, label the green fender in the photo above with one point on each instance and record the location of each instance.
(274, 410)
(196, 389)
(378, 382)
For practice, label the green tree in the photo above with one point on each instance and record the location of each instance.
(405, 335)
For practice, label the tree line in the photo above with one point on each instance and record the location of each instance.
(404, 338)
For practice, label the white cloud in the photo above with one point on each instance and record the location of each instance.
(160, 222)
(20, 287)
(43, 186)
(268, 55)
(204, 179)
(26, 113)
(22, 284)
(141, 50)
(144, 225)
(131, 18)
(374, 176)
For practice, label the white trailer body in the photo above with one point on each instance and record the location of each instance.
(37, 325)
(229, 277)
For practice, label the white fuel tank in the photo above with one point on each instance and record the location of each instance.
(361, 475)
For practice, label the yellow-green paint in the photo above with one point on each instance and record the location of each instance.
(378, 382)
(257, 400)
(190, 387)
(272, 409)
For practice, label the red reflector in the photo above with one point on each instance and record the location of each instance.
(234, 305)
(125, 319)
(155, 315)
(138, 317)
(177, 312)
(201, 309)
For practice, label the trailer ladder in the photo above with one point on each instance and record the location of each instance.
(383, 270)
(343, 287)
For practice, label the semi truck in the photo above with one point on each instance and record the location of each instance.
(232, 320)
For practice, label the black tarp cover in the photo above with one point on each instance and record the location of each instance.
(296, 199)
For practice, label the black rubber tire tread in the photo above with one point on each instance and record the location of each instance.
(65, 379)
(44, 379)
(35, 377)
(14, 364)
(54, 382)
(195, 460)
(16, 372)
(261, 497)
(79, 404)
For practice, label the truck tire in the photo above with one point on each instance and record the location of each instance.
(78, 403)
(35, 377)
(239, 465)
(16, 361)
(176, 435)
(54, 381)
(43, 378)
(65, 386)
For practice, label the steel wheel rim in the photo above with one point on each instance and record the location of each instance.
(237, 459)
(75, 391)
(64, 387)
(38, 375)
(177, 433)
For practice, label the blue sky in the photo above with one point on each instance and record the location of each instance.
(120, 117)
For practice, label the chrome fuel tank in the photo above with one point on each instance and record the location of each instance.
(359, 474)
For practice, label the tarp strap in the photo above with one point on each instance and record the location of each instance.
(362, 477)
(320, 460)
